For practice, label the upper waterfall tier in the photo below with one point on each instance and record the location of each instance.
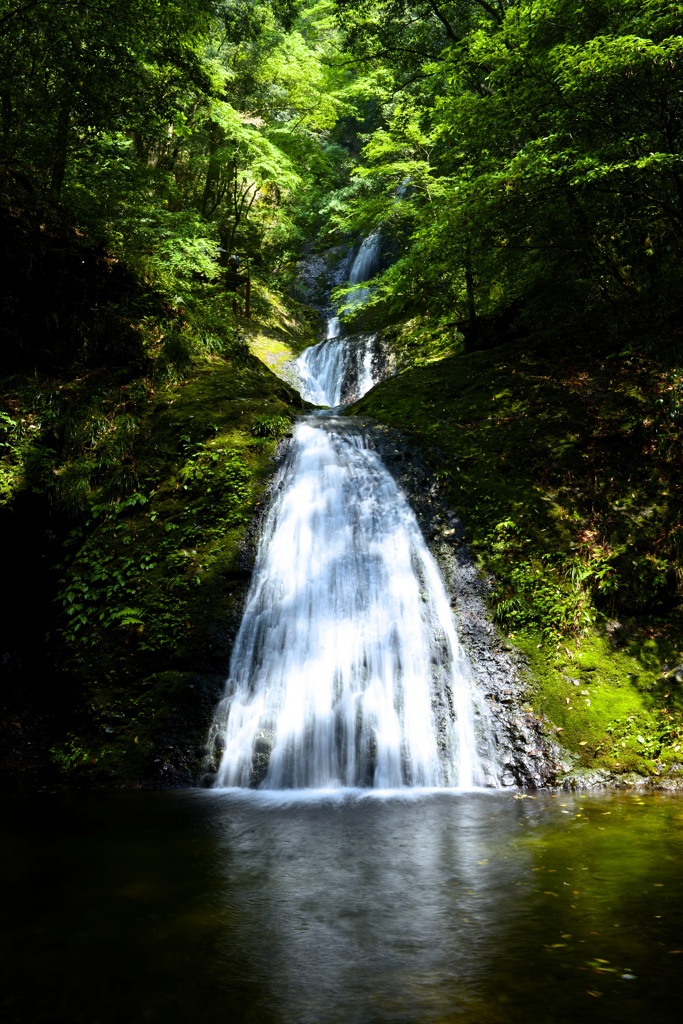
(341, 369)
(366, 263)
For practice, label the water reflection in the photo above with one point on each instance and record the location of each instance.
(468, 908)
(365, 907)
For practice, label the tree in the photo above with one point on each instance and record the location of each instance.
(543, 146)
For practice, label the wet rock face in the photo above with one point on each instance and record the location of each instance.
(529, 755)
(364, 348)
(527, 751)
(318, 274)
(599, 778)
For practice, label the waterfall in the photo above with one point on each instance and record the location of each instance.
(340, 370)
(346, 670)
(366, 263)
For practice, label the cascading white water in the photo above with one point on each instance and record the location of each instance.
(347, 670)
(366, 263)
(321, 371)
(341, 370)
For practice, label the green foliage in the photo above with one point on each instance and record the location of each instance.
(69, 756)
(115, 585)
(522, 161)
(527, 162)
(271, 426)
(166, 134)
(565, 473)
(13, 445)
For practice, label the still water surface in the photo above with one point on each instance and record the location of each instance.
(469, 908)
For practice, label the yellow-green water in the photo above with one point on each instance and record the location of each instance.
(444, 908)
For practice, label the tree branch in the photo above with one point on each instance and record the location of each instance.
(444, 21)
(497, 15)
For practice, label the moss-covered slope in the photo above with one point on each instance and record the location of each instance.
(567, 473)
(153, 590)
(149, 583)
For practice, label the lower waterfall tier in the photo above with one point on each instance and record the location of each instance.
(347, 669)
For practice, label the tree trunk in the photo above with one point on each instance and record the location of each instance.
(212, 175)
(60, 149)
(473, 326)
(6, 109)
